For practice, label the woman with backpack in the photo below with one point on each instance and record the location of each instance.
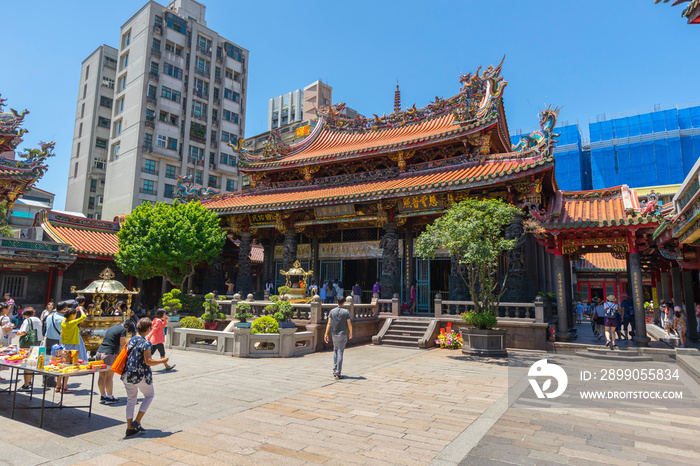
(610, 310)
(30, 335)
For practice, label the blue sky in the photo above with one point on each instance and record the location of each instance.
(590, 57)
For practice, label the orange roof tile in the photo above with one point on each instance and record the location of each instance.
(600, 262)
(599, 208)
(462, 176)
(86, 236)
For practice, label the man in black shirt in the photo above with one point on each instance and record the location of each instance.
(340, 327)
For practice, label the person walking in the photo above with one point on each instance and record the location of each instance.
(376, 289)
(600, 317)
(356, 293)
(339, 327)
(611, 311)
(330, 292)
(580, 308)
(627, 310)
(137, 376)
(113, 341)
(680, 322)
(157, 335)
(70, 339)
(668, 319)
(31, 323)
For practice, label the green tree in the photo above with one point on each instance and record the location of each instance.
(168, 240)
(5, 229)
(171, 301)
(473, 233)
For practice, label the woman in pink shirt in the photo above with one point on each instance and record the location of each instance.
(157, 336)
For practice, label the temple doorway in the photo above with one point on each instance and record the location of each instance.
(362, 271)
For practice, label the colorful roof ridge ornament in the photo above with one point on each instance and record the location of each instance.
(397, 98)
(543, 140)
(187, 191)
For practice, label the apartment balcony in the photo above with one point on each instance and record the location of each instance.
(153, 76)
(217, 101)
(158, 29)
(200, 93)
(150, 192)
(200, 117)
(195, 162)
(213, 143)
(169, 195)
(215, 123)
(147, 148)
(149, 172)
(219, 58)
(206, 53)
(202, 73)
(198, 138)
(155, 53)
(217, 79)
(150, 123)
(151, 100)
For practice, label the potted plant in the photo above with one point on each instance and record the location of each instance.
(243, 313)
(285, 310)
(171, 303)
(211, 312)
(191, 322)
(473, 233)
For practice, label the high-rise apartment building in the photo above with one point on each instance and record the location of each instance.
(298, 105)
(179, 97)
(93, 119)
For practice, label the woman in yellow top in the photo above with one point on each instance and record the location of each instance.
(70, 339)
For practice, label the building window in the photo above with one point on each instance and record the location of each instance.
(199, 109)
(202, 66)
(91, 203)
(203, 44)
(125, 60)
(233, 52)
(151, 92)
(171, 172)
(230, 185)
(87, 71)
(177, 24)
(100, 164)
(170, 94)
(158, 21)
(148, 187)
(105, 102)
(117, 128)
(101, 143)
(213, 181)
(156, 45)
(201, 88)
(126, 39)
(148, 140)
(154, 67)
(231, 95)
(111, 62)
(84, 91)
(198, 177)
(229, 73)
(15, 285)
(173, 71)
(120, 105)
(223, 159)
(75, 170)
(149, 167)
(103, 122)
(172, 143)
(93, 186)
(108, 82)
(162, 141)
(228, 137)
(122, 83)
(77, 150)
(230, 116)
(172, 48)
(82, 110)
(80, 130)
(169, 191)
(115, 151)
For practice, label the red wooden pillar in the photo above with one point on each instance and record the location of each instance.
(49, 287)
(131, 282)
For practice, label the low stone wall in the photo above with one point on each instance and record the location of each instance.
(241, 343)
(519, 335)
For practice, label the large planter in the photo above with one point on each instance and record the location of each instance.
(486, 342)
(211, 325)
(287, 325)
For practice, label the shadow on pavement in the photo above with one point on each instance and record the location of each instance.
(152, 433)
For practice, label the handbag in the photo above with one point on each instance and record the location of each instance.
(30, 338)
(119, 363)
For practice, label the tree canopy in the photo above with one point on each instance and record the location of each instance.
(473, 233)
(168, 240)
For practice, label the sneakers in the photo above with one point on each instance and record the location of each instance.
(169, 368)
(104, 399)
(108, 400)
(25, 388)
(137, 426)
(131, 432)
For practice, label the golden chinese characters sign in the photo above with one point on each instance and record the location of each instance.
(419, 203)
(262, 219)
(335, 211)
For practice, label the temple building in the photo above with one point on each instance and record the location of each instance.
(350, 199)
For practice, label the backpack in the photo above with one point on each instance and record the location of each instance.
(30, 338)
(610, 309)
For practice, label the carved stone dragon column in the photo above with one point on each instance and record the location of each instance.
(390, 261)
(290, 249)
(244, 280)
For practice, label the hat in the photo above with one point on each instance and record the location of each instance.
(611, 297)
(596, 299)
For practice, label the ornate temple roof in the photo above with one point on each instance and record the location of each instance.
(612, 207)
(464, 176)
(88, 237)
(600, 262)
(477, 107)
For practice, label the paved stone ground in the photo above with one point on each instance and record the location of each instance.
(397, 406)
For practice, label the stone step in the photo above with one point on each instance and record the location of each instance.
(394, 342)
(411, 338)
(614, 355)
(396, 331)
(409, 326)
(689, 361)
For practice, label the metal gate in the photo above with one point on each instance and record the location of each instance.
(423, 285)
(330, 270)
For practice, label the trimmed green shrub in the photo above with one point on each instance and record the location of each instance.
(265, 324)
(191, 322)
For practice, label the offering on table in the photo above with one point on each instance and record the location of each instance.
(70, 356)
(95, 363)
(36, 356)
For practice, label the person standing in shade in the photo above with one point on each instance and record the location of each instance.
(680, 323)
(330, 292)
(313, 289)
(580, 308)
(339, 327)
(137, 376)
(113, 341)
(356, 293)
(627, 309)
(376, 289)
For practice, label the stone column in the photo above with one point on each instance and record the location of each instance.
(688, 298)
(458, 287)
(569, 292)
(408, 274)
(560, 289)
(315, 263)
(518, 283)
(663, 285)
(390, 278)
(676, 287)
(244, 280)
(58, 286)
(290, 249)
(635, 286)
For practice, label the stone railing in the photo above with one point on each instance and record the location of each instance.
(211, 341)
(389, 306)
(533, 312)
(285, 344)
